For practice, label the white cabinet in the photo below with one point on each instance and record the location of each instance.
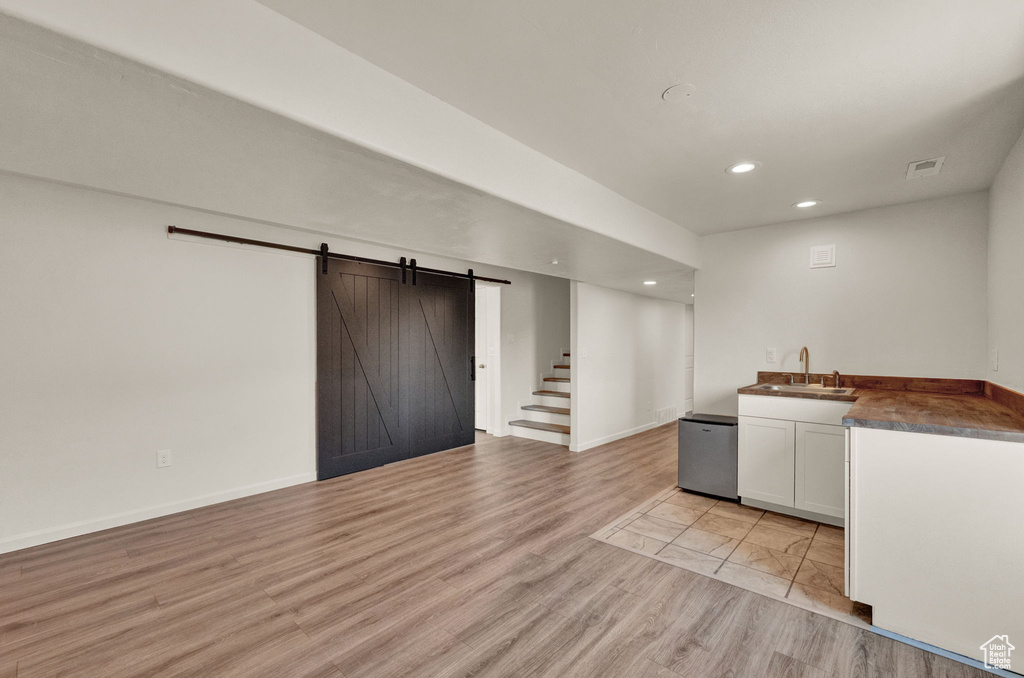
(935, 537)
(792, 455)
(848, 516)
(766, 458)
(820, 469)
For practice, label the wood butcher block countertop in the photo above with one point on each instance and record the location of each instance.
(954, 407)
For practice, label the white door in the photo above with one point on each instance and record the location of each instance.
(483, 390)
(766, 458)
(821, 468)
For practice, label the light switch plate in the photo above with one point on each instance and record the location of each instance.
(771, 355)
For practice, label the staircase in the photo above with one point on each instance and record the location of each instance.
(548, 418)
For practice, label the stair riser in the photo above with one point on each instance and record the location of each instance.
(561, 386)
(546, 417)
(543, 436)
(552, 401)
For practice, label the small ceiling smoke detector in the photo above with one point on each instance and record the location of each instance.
(743, 167)
(650, 282)
(677, 93)
(925, 168)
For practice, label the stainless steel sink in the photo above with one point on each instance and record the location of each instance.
(804, 388)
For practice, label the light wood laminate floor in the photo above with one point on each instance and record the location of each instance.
(471, 562)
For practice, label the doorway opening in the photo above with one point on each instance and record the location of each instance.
(488, 358)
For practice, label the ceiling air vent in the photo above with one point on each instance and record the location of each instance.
(823, 256)
(924, 168)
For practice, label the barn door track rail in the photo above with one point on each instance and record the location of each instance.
(324, 253)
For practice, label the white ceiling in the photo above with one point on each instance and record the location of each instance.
(834, 97)
(79, 115)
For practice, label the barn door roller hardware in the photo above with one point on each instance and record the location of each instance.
(325, 254)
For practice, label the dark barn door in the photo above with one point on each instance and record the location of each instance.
(439, 352)
(358, 368)
(393, 366)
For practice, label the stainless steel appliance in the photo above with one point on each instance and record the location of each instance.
(708, 446)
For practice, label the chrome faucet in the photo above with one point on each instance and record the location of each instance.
(790, 378)
(835, 377)
(805, 358)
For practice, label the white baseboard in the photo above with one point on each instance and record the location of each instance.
(581, 447)
(29, 539)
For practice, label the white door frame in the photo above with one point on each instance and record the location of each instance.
(488, 299)
(688, 350)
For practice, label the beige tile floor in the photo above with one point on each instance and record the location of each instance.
(797, 561)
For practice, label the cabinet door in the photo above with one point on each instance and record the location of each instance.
(821, 468)
(766, 458)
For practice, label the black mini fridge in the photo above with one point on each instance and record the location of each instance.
(708, 449)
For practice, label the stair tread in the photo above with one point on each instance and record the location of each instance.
(541, 426)
(547, 408)
(561, 367)
(566, 355)
(553, 394)
(561, 380)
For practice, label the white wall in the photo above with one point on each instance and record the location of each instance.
(907, 297)
(1005, 272)
(628, 361)
(118, 341)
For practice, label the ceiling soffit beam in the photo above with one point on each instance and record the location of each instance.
(247, 51)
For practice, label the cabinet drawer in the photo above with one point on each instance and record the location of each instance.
(794, 409)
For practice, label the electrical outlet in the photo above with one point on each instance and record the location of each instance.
(993, 361)
(771, 355)
(163, 458)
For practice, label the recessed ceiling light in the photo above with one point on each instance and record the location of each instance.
(742, 167)
(807, 203)
(554, 261)
(650, 282)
